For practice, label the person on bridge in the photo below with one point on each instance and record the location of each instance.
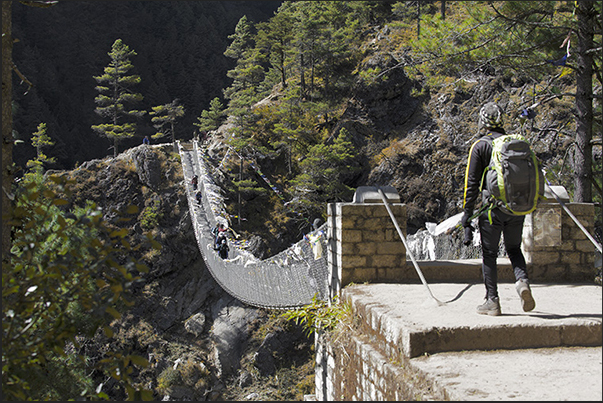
(219, 233)
(198, 196)
(195, 182)
(511, 226)
(223, 248)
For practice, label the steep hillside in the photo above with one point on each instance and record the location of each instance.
(200, 342)
(410, 121)
(410, 135)
(405, 129)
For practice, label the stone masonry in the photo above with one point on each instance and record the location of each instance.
(364, 245)
(555, 247)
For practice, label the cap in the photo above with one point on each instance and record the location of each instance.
(491, 116)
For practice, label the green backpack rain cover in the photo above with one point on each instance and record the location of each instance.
(513, 181)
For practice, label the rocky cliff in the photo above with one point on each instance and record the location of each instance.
(200, 342)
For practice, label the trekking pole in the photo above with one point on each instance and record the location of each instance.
(414, 262)
(474, 216)
(578, 223)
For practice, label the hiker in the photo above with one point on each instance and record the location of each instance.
(198, 196)
(145, 140)
(511, 226)
(219, 233)
(223, 249)
(195, 181)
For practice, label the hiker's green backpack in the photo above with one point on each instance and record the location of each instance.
(513, 181)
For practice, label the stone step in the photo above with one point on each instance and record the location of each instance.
(408, 345)
(405, 319)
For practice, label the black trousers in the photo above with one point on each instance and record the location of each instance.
(511, 228)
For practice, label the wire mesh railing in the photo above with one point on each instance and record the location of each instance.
(289, 279)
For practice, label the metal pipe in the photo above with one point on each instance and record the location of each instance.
(419, 272)
(578, 223)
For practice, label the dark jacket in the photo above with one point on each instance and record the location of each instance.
(223, 250)
(479, 159)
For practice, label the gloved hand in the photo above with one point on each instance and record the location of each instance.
(467, 229)
(468, 239)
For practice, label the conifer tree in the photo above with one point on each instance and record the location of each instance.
(211, 119)
(275, 39)
(40, 140)
(325, 174)
(248, 72)
(115, 96)
(241, 39)
(164, 119)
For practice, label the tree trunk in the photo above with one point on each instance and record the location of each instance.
(418, 19)
(173, 132)
(282, 68)
(302, 79)
(584, 104)
(7, 127)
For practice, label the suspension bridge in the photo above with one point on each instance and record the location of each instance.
(289, 279)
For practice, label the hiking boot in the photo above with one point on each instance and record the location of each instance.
(490, 307)
(523, 289)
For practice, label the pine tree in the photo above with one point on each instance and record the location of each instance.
(40, 140)
(241, 39)
(325, 174)
(164, 119)
(211, 119)
(275, 39)
(115, 95)
(248, 72)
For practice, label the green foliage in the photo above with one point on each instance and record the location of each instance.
(325, 172)
(515, 37)
(248, 72)
(115, 94)
(164, 119)
(211, 119)
(249, 188)
(320, 315)
(150, 216)
(189, 373)
(40, 140)
(168, 378)
(64, 281)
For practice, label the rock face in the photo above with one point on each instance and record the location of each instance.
(231, 321)
(147, 166)
(194, 334)
(385, 102)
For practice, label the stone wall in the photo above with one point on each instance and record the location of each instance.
(352, 369)
(364, 244)
(555, 247)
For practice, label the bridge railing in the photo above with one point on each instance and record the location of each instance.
(287, 280)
